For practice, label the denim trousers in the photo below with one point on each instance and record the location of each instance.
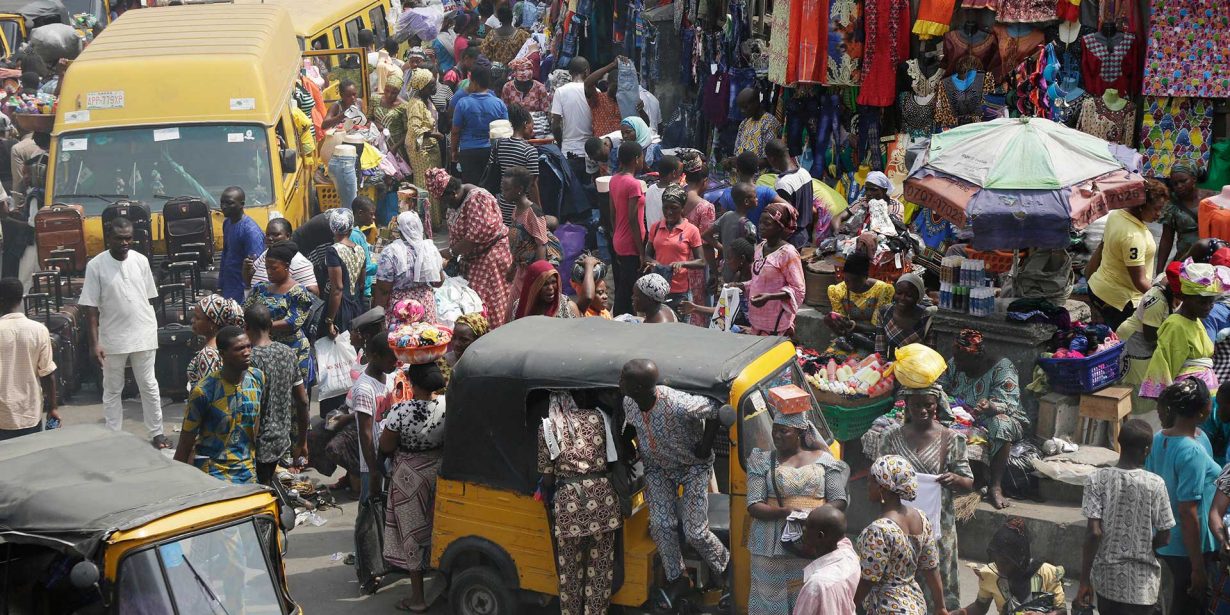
(345, 179)
(629, 94)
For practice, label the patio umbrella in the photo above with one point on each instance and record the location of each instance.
(1023, 182)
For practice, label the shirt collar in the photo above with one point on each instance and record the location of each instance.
(12, 316)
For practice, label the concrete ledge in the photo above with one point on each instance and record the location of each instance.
(1056, 532)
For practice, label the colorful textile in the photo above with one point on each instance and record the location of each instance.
(1203, 279)
(667, 508)
(997, 385)
(478, 221)
(280, 365)
(293, 307)
(1133, 506)
(604, 114)
(1098, 119)
(1025, 11)
(994, 588)
(411, 506)
(585, 503)
(1186, 52)
(896, 475)
(864, 306)
(886, 28)
(206, 361)
(890, 561)
(1107, 63)
(1175, 130)
(781, 269)
(755, 134)
(776, 582)
(934, 17)
(670, 431)
(845, 48)
(224, 416)
(943, 454)
(586, 573)
(822, 481)
(535, 99)
(1183, 349)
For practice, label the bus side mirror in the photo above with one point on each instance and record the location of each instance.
(290, 160)
(727, 415)
(286, 517)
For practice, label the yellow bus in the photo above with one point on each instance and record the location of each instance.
(186, 101)
(335, 24)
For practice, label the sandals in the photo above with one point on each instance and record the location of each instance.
(160, 442)
(403, 605)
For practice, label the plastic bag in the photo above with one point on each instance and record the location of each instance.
(918, 366)
(454, 298)
(55, 42)
(334, 358)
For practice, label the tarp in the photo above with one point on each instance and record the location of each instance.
(70, 488)
(37, 12)
(490, 440)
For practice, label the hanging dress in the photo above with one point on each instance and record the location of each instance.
(887, 35)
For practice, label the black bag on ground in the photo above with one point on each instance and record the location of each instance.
(176, 348)
(188, 227)
(369, 537)
(137, 213)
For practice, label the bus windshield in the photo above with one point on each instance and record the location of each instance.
(91, 7)
(155, 164)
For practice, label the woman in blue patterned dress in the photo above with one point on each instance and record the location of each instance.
(288, 304)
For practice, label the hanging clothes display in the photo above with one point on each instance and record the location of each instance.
(1015, 43)
(813, 40)
(980, 4)
(845, 47)
(933, 18)
(922, 83)
(779, 45)
(1100, 120)
(1187, 47)
(1025, 11)
(964, 52)
(1107, 62)
(960, 100)
(1175, 130)
(917, 114)
(887, 36)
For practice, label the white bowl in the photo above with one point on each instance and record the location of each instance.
(603, 183)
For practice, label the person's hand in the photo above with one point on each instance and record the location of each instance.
(332, 331)
(299, 452)
(947, 479)
(686, 307)
(438, 136)
(760, 300)
(676, 266)
(53, 414)
(739, 285)
(590, 261)
(1200, 581)
(1084, 595)
(647, 264)
(249, 266)
(940, 610)
(100, 356)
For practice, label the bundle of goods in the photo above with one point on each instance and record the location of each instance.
(869, 377)
(417, 343)
(1084, 359)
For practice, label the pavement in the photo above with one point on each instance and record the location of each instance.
(318, 578)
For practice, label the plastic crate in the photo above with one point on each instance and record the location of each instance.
(1092, 373)
(995, 262)
(851, 422)
(326, 195)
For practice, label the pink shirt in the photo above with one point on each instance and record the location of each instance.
(623, 187)
(673, 245)
(781, 270)
(829, 583)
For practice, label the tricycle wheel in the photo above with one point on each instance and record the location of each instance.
(481, 591)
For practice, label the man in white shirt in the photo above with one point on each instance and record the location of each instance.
(571, 121)
(830, 581)
(27, 372)
(123, 330)
(652, 109)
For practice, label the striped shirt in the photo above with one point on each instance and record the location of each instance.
(508, 153)
(301, 270)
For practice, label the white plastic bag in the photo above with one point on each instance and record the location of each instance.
(727, 309)
(334, 359)
(454, 298)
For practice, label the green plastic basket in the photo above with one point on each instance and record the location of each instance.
(851, 422)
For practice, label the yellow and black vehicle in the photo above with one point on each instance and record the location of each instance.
(94, 521)
(494, 540)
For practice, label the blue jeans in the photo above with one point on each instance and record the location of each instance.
(629, 94)
(345, 179)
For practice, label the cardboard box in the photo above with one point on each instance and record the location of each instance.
(790, 399)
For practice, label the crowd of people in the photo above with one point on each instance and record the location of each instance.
(464, 114)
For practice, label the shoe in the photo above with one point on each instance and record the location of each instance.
(160, 441)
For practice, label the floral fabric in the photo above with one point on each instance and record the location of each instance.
(293, 307)
(890, 561)
(1186, 51)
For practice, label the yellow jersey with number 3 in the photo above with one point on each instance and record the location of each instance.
(1126, 242)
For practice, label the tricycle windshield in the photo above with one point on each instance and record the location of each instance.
(155, 164)
(90, 7)
(756, 413)
(217, 572)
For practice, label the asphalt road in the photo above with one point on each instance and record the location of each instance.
(318, 578)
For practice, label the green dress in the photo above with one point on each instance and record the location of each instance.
(999, 386)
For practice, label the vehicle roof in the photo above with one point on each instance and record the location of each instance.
(486, 430)
(314, 16)
(70, 488)
(36, 9)
(186, 64)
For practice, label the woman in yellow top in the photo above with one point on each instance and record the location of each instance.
(424, 144)
(857, 303)
(1183, 345)
(1121, 269)
(1014, 581)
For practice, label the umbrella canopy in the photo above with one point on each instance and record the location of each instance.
(1020, 154)
(1023, 182)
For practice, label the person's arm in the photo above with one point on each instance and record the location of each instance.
(697, 262)
(1189, 520)
(299, 396)
(367, 445)
(932, 577)
(92, 317)
(192, 420)
(589, 289)
(1163, 248)
(1216, 526)
(758, 491)
(1093, 539)
(557, 127)
(48, 384)
(454, 139)
(388, 441)
(335, 300)
(634, 222)
(595, 77)
(1095, 261)
(380, 293)
(335, 116)
(1140, 277)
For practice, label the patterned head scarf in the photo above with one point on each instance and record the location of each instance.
(644, 136)
(692, 159)
(896, 475)
(969, 341)
(419, 78)
(654, 286)
(797, 420)
(437, 181)
(475, 321)
(1186, 168)
(675, 194)
(783, 214)
(559, 78)
(221, 311)
(341, 220)
(521, 70)
(942, 408)
(876, 178)
(1203, 279)
(395, 81)
(416, 53)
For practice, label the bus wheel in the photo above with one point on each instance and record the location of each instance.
(481, 591)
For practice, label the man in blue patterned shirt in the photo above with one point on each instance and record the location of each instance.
(220, 427)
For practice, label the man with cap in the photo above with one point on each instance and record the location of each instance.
(670, 430)
(649, 299)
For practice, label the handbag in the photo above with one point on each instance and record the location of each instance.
(493, 173)
(795, 547)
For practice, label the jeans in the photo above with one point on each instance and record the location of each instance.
(627, 270)
(1106, 606)
(473, 164)
(9, 434)
(345, 179)
(629, 94)
(113, 385)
